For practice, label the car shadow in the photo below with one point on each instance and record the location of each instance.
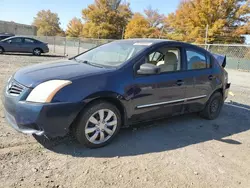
(164, 135)
(42, 55)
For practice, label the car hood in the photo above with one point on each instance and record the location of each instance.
(33, 75)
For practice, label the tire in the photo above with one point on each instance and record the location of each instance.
(1, 50)
(102, 121)
(213, 107)
(37, 51)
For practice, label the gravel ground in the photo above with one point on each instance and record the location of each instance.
(184, 151)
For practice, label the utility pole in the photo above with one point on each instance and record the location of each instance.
(161, 32)
(206, 34)
(123, 29)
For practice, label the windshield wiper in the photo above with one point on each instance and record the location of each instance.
(93, 64)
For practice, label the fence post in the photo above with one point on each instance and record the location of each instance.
(206, 34)
(79, 44)
(238, 65)
(54, 41)
(123, 30)
(65, 41)
(208, 47)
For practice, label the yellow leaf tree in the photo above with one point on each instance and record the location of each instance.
(105, 19)
(74, 28)
(47, 23)
(148, 26)
(225, 20)
(138, 27)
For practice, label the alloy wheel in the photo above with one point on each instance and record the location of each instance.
(101, 126)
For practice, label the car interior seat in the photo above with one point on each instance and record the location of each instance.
(170, 62)
(196, 63)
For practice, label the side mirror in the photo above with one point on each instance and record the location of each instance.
(147, 69)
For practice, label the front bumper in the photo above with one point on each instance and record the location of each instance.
(11, 120)
(46, 50)
(50, 119)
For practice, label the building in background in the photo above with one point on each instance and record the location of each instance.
(17, 28)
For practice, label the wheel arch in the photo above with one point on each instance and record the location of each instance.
(117, 100)
(2, 48)
(220, 90)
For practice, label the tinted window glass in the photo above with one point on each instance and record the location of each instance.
(196, 60)
(30, 41)
(15, 40)
(155, 56)
(168, 59)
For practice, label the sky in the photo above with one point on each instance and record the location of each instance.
(23, 11)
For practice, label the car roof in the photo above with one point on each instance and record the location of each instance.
(155, 41)
(12, 37)
(158, 41)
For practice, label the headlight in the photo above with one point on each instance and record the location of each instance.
(45, 91)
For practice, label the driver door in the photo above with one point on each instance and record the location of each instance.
(159, 95)
(14, 45)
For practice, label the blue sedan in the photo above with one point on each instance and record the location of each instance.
(118, 84)
(23, 45)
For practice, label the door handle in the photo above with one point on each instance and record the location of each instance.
(179, 82)
(210, 77)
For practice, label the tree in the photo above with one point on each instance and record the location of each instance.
(138, 27)
(106, 19)
(155, 19)
(47, 23)
(225, 19)
(148, 26)
(74, 28)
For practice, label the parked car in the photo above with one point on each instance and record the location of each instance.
(5, 35)
(114, 85)
(23, 45)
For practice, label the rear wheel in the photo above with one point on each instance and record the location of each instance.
(213, 107)
(1, 50)
(37, 52)
(98, 125)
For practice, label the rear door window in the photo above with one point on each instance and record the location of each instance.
(196, 60)
(29, 41)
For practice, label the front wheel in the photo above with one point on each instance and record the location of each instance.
(213, 107)
(98, 125)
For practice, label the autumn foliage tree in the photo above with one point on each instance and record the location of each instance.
(137, 27)
(106, 19)
(148, 26)
(154, 18)
(226, 21)
(74, 28)
(47, 23)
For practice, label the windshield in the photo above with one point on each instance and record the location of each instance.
(112, 54)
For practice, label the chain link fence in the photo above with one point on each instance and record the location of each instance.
(238, 56)
(70, 46)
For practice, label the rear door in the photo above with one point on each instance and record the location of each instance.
(203, 77)
(29, 45)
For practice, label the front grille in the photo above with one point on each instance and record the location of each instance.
(15, 88)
